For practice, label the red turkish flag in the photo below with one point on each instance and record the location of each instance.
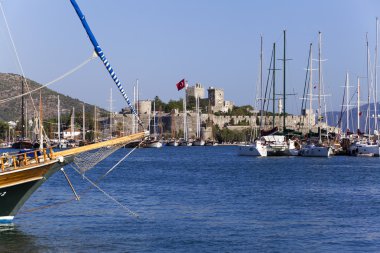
(181, 84)
(360, 113)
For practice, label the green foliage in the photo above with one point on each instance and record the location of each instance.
(3, 129)
(230, 136)
(237, 111)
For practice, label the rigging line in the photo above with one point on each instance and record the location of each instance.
(107, 195)
(121, 160)
(80, 193)
(103, 58)
(53, 81)
(16, 53)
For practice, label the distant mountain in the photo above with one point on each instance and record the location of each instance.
(333, 118)
(11, 86)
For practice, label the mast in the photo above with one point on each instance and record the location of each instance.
(368, 84)
(154, 119)
(22, 111)
(103, 58)
(347, 102)
(358, 115)
(284, 95)
(95, 125)
(184, 117)
(59, 122)
(134, 102)
(261, 82)
(137, 104)
(274, 83)
(41, 125)
(72, 125)
(376, 57)
(84, 125)
(311, 86)
(319, 85)
(111, 113)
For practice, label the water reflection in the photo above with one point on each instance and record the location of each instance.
(14, 240)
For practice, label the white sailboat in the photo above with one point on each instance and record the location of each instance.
(153, 142)
(364, 147)
(198, 141)
(257, 147)
(313, 150)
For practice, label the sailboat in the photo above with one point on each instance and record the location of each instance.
(172, 142)
(311, 149)
(365, 147)
(198, 141)
(21, 174)
(153, 142)
(22, 142)
(258, 147)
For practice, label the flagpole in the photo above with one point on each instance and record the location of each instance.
(185, 116)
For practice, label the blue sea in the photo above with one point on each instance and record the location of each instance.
(205, 199)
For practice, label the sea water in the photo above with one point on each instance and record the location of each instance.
(205, 199)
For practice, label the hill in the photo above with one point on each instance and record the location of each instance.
(334, 116)
(11, 87)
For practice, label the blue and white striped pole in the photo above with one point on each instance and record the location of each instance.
(101, 55)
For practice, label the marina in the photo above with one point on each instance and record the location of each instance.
(212, 151)
(191, 203)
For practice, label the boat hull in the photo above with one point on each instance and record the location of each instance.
(18, 185)
(364, 150)
(154, 144)
(315, 151)
(252, 150)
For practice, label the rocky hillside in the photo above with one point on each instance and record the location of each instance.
(11, 86)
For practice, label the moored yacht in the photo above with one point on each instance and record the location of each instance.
(258, 148)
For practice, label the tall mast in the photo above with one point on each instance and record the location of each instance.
(59, 122)
(376, 57)
(95, 125)
(137, 103)
(72, 125)
(41, 124)
(154, 119)
(368, 84)
(22, 111)
(111, 113)
(358, 115)
(319, 84)
(274, 83)
(311, 86)
(284, 72)
(134, 103)
(347, 102)
(184, 116)
(84, 125)
(261, 82)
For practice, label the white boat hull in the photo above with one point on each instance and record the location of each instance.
(172, 144)
(365, 150)
(155, 144)
(256, 149)
(199, 143)
(315, 151)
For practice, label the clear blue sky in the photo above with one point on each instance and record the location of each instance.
(214, 42)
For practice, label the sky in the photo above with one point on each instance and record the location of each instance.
(212, 42)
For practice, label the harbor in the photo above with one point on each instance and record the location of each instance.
(191, 203)
(245, 126)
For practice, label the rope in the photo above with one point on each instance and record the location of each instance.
(85, 191)
(53, 81)
(107, 195)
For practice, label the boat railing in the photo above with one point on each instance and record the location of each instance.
(13, 161)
